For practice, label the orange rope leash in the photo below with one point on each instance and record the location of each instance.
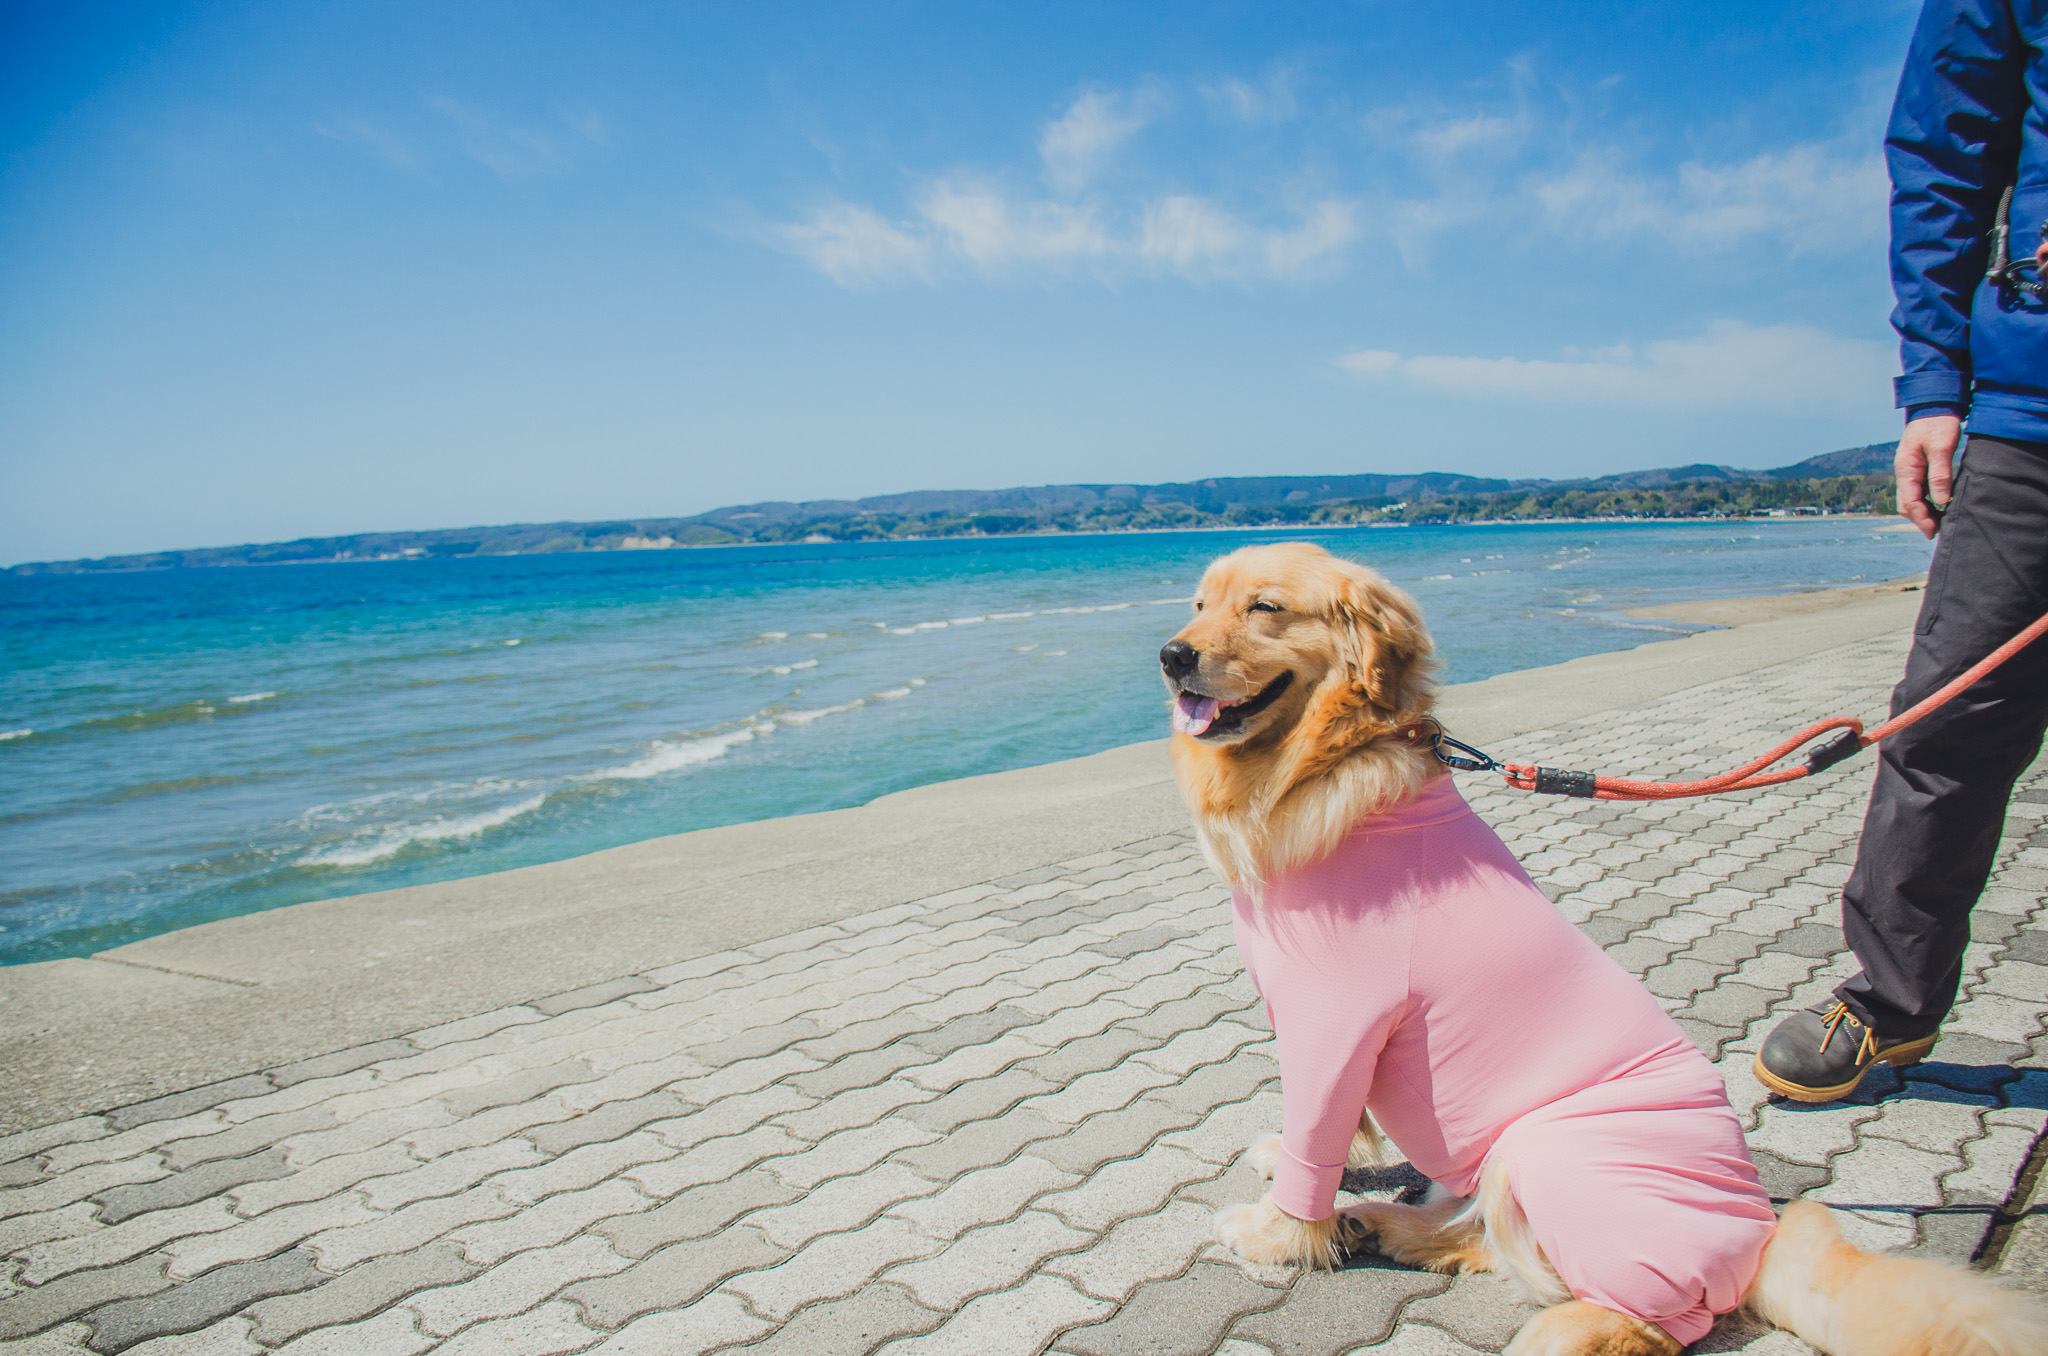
(1854, 739)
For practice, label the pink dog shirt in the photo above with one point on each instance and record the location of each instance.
(1419, 972)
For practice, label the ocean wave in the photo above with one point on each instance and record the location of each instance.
(666, 755)
(6, 735)
(246, 698)
(389, 842)
(818, 713)
(356, 807)
(673, 755)
(915, 627)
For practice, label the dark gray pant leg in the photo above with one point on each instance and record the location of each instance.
(1936, 812)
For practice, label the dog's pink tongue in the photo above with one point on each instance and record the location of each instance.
(1192, 714)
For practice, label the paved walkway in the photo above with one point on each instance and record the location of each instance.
(994, 1121)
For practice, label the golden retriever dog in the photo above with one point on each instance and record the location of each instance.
(1301, 693)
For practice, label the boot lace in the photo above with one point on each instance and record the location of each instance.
(1837, 1013)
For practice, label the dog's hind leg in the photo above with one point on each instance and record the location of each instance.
(1438, 1235)
(1581, 1328)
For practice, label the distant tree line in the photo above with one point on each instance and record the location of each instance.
(1692, 499)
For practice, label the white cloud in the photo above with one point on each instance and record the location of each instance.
(510, 150)
(1077, 145)
(1790, 369)
(987, 229)
(855, 247)
(379, 142)
(1810, 197)
(1270, 100)
(977, 229)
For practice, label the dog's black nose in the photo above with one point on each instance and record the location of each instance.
(1179, 658)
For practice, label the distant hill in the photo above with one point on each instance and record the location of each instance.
(1851, 478)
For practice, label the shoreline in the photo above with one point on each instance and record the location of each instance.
(1760, 607)
(220, 999)
(21, 569)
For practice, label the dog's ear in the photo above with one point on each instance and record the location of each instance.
(1386, 650)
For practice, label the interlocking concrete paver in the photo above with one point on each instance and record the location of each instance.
(180, 1104)
(373, 1131)
(80, 1183)
(1009, 1323)
(80, 1292)
(1145, 1248)
(555, 1220)
(514, 1285)
(209, 1179)
(992, 1257)
(226, 1337)
(581, 1168)
(447, 1175)
(842, 1203)
(359, 1293)
(199, 1302)
(107, 1246)
(718, 1320)
(1482, 1310)
(672, 1276)
(1331, 1312)
(549, 1330)
(395, 1332)
(1130, 1186)
(324, 1179)
(714, 1160)
(1187, 1314)
(992, 1193)
(834, 1265)
(264, 1235)
(340, 1249)
(978, 1144)
(610, 1121)
(697, 1212)
(852, 1326)
(847, 1152)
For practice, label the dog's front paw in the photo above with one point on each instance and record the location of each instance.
(1263, 1154)
(1266, 1234)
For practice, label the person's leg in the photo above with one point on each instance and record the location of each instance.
(1938, 805)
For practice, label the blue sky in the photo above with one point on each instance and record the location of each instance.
(269, 271)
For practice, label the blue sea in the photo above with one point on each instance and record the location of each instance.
(186, 745)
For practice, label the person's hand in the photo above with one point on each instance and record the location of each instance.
(1925, 466)
(2041, 255)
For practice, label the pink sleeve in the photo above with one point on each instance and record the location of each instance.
(1331, 1014)
(1327, 1054)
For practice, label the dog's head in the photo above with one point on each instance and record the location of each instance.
(1290, 644)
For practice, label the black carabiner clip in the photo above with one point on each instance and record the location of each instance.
(1473, 761)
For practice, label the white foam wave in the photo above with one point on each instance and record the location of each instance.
(666, 755)
(248, 697)
(391, 841)
(893, 694)
(784, 670)
(6, 735)
(818, 713)
(915, 627)
(773, 635)
(513, 642)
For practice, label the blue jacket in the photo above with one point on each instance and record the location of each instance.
(1972, 112)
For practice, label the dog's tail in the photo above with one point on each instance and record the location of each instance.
(1853, 1303)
